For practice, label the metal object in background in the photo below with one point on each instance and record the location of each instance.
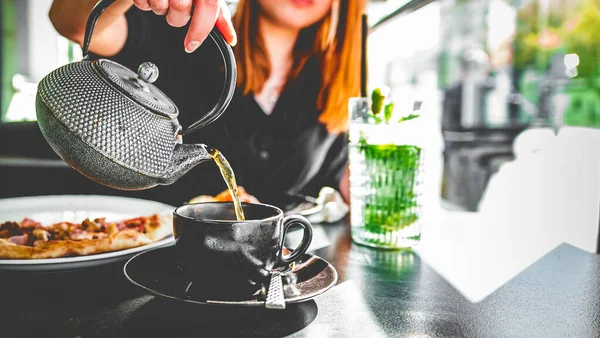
(598, 245)
(116, 127)
(407, 8)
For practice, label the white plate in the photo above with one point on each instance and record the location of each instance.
(76, 208)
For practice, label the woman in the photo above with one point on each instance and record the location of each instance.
(298, 63)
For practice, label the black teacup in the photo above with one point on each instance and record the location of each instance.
(227, 259)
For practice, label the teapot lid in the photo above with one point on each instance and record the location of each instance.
(138, 87)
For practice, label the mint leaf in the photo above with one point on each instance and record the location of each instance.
(377, 99)
(387, 112)
(409, 117)
(377, 119)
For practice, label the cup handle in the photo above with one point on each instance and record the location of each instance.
(288, 221)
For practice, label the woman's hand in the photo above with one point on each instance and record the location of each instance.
(205, 14)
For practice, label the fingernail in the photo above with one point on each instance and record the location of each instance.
(191, 46)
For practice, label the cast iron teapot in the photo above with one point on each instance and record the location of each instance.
(115, 126)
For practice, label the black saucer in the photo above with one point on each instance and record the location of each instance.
(157, 272)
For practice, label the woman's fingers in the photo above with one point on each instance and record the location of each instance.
(225, 25)
(142, 4)
(179, 12)
(203, 21)
(159, 7)
(206, 14)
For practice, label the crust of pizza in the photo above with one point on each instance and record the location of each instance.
(161, 228)
(158, 228)
(122, 240)
(11, 250)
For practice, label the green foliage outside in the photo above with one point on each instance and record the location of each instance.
(8, 60)
(568, 27)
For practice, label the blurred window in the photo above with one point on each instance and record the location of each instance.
(30, 49)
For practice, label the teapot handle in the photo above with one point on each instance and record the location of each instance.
(222, 45)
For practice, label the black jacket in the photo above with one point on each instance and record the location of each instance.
(286, 152)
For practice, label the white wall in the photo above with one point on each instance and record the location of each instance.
(402, 54)
(43, 41)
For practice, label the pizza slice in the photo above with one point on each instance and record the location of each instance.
(225, 196)
(29, 239)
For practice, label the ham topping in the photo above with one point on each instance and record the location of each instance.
(19, 240)
(29, 223)
(138, 224)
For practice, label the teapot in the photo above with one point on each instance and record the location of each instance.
(116, 127)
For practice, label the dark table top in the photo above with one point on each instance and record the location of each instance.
(379, 293)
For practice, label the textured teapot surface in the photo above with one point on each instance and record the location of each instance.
(104, 118)
(114, 126)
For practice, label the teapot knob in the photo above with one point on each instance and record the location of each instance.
(147, 73)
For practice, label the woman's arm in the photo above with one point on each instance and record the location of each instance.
(345, 186)
(69, 18)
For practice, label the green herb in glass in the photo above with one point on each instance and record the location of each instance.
(392, 172)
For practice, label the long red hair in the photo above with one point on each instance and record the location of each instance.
(339, 56)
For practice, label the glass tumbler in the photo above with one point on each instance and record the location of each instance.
(386, 179)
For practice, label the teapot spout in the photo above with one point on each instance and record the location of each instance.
(185, 157)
